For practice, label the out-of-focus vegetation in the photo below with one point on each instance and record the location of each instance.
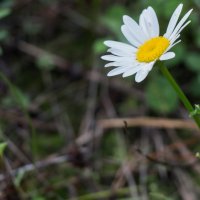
(56, 101)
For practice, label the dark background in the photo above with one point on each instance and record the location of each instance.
(56, 101)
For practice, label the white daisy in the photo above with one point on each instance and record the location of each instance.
(146, 46)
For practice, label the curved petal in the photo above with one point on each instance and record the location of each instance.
(154, 21)
(172, 45)
(117, 71)
(149, 23)
(115, 58)
(179, 31)
(180, 24)
(135, 29)
(143, 24)
(121, 63)
(120, 52)
(132, 71)
(141, 75)
(167, 56)
(120, 45)
(173, 20)
(129, 36)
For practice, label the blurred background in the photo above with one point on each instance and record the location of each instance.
(67, 131)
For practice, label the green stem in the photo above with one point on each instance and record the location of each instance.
(179, 91)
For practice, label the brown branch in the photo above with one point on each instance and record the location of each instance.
(147, 122)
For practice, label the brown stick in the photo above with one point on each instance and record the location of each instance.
(147, 122)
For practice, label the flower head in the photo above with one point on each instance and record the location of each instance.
(146, 46)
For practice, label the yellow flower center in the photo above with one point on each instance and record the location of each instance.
(152, 49)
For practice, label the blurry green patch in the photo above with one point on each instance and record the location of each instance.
(45, 62)
(38, 198)
(160, 191)
(3, 34)
(6, 3)
(168, 7)
(194, 86)
(113, 19)
(111, 146)
(181, 52)
(99, 46)
(32, 27)
(128, 105)
(193, 61)
(4, 12)
(196, 111)
(159, 196)
(20, 98)
(16, 97)
(18, 178)
(197, 37)
(47, 144)
(160, 95)
(3, 145)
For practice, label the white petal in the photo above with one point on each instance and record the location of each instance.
(114, 58)
(172, 40)
(112, 64)
(175, 33)
(148, 66)
(173, 45)
(128, 63)
(143, 24)
(135, 29)
(180, 24)
(120, 52)
(149, 23)
(120, 45)
(117, 71)
(167, 56)
(132, 71)
(173, 20)
(129, 36)
(141, 75)
(154, 21)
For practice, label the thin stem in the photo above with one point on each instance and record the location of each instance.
(179, 91)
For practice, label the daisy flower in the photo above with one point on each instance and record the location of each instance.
(146, 46)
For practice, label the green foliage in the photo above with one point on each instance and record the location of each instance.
(159, 196)
(113, 19)
(45, 62)
(160, 95)
(21, 99)
(196, 111)
(3, 35)
(193, 61)
(99, 47)
(3, 145)
(193, 87)
(4, 12)
(18, 178)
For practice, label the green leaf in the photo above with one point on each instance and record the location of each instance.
(18, 178)
(193, 61)
(20, 98)
(45, 62)
(99, 46)
(160, 95)
(3, 145)
(4, 12)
